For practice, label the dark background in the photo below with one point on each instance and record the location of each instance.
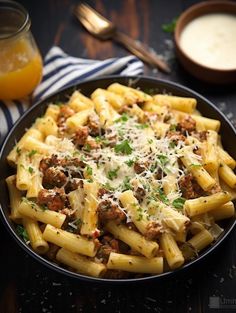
(28, 287)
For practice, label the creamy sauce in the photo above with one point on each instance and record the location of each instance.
(211, 40)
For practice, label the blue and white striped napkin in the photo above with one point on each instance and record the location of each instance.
(61, 70)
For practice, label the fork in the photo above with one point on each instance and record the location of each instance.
(103, 29)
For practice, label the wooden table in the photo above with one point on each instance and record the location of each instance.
(28, 287)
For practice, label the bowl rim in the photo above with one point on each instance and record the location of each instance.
(82, 277)
(177, 32)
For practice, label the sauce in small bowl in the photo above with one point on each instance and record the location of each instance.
(205, 38)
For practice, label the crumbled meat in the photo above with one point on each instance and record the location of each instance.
(187, 124)
(189, 187)
(55, 199)
(108, 245)
(102, 192)
(65, 112)
(175, 136)
(45, 163)
(80, 136)
(73, 184)
(200, 135)
(53, 249)
(140, 193)
(214, 189)
(159, 174)
(93, 125)
(140, 167)
(154, 229)
(110, 211)
(53, 177)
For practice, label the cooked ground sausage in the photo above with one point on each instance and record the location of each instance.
(93, 125)
(187, 124)
(55, 199)
(139, 167)
(175, 136)
(53, 177)
(154, 229)
(189, 187)
(110, 211)
(139, 194)
(80, 136)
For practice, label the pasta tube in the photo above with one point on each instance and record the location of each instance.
(135, 264)
(80, 263)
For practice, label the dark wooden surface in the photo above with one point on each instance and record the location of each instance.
(28, 287)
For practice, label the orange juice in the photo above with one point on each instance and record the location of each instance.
(20, 68)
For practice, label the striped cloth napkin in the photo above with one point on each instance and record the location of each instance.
(62, 70)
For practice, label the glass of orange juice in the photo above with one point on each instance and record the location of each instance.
(20, 60)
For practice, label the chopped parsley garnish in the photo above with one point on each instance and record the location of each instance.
(21, 231)
(140, 213)
(196, 165)
(113, 173)
(162, 196)
(102, 140)
(123, 147)
(32, 152)
(150, 141)
(89, 170)
(124, 118)
(30, 169)
(169, 27)
(163, 159)
(130, 162)
(179, 203)
(43, 207)
(173, 127)
(172, 145)
(18, 150)
(87, 147)
(126, 184)
(142, 126)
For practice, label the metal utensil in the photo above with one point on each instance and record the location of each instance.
(103, 29)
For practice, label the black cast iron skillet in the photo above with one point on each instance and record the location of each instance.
(146, 84)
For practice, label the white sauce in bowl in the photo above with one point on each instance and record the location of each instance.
(211, 40)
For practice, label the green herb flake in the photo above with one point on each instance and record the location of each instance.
(142, 126)
(18, 150)
(130, 162)
(43, 207)
(126, 184)
(32, 152)
(179, 203)
(150, 141)
(123, 147)
(87, 147)
(162, 196)
(113, 173)
(30, 169)
(21, 231)
(124, 118)
(169, 27)
(172, 145)
(163, 159)
(173, 127)
(89, 170)
(196, 165)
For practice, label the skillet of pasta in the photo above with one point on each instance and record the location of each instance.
(121, 184)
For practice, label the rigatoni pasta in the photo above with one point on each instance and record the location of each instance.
(121, 183)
